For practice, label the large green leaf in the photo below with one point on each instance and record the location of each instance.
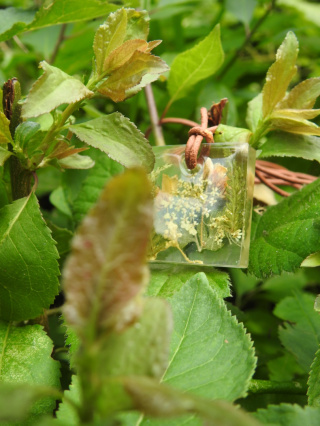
(107, 267)
(52, 89)
(280, 74)
(29, 275)
(211, 355)
(301, 335)
(314, 381)
(195, 64)
(282, 144)
(286, 414)
(92, 186)
(310, 11)
(13, 21)
(118, 137)
(167, 280)
(4, 155)
(25, 358)
(287, 233)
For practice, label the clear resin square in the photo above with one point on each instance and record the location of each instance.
(203, 216)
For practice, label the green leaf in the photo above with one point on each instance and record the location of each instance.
(211, 355)
(58, 199)
(92, 186)
(52, 89)
(301, 338)
(242, 10)
(4, 155)
(118, 137)
(76, 161)
(143, 348)
(293, 125)
(296, 114)
(62, 237)
(286, 414)
(13, 21)
(5, 135)
(107, 267)
(282, 144)
(121, 26)
(232, 134)
(24, 133)
(314, 382)
(167, 280)
(25, 358)
(29, 282)
(287, 233)
(195, 64)
(130, 75)
(312, 261)
(280, 74)
(63, 11)
(67, 412)
(303, 95)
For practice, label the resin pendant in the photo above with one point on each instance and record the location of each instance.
(203, 216)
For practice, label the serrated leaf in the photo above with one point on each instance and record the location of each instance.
(62, 236)
(63, 11)
(67, 412)
(25, 358)
(130, 75)
(24, 133)
(254, 112)
(195, 64)
(301, 335)
(280, 74)
(287, 233)
(242, 10)
(286, 414)
(14, 20)
(303, 95)
(314, 382)
(52, 89)
(107, 266)
(29, 280)
(282, 144)
(4, 155)
(5, 135)
(167, 280)
(211, 355)
(118, 137)
(311, 261)
(92, 186)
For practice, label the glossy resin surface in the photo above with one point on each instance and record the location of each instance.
(203, 216)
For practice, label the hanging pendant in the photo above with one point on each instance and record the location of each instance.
(203, 216)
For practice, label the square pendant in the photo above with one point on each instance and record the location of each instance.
(203, 216)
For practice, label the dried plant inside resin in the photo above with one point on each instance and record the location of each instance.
(203, 216)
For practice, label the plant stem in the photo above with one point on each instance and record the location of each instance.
(20, 179)
(154, 117)
(273, 387)
(250, 34)
(58, 43)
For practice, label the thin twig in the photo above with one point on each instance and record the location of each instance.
(248, 37)
(154, 117)
(59, 41)
(271, 185)
(20, 44)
